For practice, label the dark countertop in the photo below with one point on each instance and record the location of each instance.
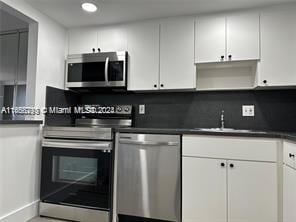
(244, 133)
(29, 122)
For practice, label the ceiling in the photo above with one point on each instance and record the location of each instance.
(69, 13)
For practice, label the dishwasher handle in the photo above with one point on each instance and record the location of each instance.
(147, 142)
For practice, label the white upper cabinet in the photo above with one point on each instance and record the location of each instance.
(112, 39)
(243, 37)
(235, 37)
(82, 40)
(210, 39)
(177, 69)
(107, 39)
(143, 49)
(278, 47)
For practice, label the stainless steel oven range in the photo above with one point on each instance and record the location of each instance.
(77, 162)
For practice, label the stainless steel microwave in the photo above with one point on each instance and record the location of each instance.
(100, 70)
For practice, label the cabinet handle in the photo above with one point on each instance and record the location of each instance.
(161, 85)
(94, 50)
(264, 81)
(222, 164)
(291, 155)
(155, 86)
(229, 56)
(222, 57)
(231, 165)
(99, 50)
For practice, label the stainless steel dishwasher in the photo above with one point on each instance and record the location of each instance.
(148, 176)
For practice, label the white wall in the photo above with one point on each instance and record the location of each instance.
(20, 145)
(50, 52)
(20, 155)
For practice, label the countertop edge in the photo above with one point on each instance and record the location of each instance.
(261, 134)
(21, 122)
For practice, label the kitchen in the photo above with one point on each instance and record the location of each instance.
(185, 111)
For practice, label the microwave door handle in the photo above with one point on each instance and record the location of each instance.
(106, 71)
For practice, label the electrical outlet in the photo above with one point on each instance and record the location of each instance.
(142, 109)
(248, 110)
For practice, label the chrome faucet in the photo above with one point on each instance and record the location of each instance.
(222, 120)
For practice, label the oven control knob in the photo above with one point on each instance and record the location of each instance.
(119, 109)
(126, 109)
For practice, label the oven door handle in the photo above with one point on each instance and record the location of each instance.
(74, 144)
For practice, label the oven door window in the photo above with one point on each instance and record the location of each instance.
(75, 170)
(76, 177)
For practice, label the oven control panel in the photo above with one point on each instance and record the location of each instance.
(113, 110)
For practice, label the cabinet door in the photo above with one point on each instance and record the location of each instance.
(204, 190)
(278, 47)
(83, 40)
(243, 37)
(112, 39)
(290, 154)
(143, 49)
(210, 39)
(289, 203)
(177, 69)
(252, 191)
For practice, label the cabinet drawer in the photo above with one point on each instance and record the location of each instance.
(290, 154)
(239, 148)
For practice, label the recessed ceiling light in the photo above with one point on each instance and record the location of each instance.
(89, 7)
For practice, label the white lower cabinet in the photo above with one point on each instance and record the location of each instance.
(289, 197)
(223, 189)
(204, 190)
(289, 182)
(252, 191)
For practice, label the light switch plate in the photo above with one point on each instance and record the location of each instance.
(142, 109)
(248, 110)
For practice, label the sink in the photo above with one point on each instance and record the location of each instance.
(224, 130)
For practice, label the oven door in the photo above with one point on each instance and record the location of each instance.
(76, 173)
(97, 70)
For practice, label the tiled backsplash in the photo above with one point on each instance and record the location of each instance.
(274, 109)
